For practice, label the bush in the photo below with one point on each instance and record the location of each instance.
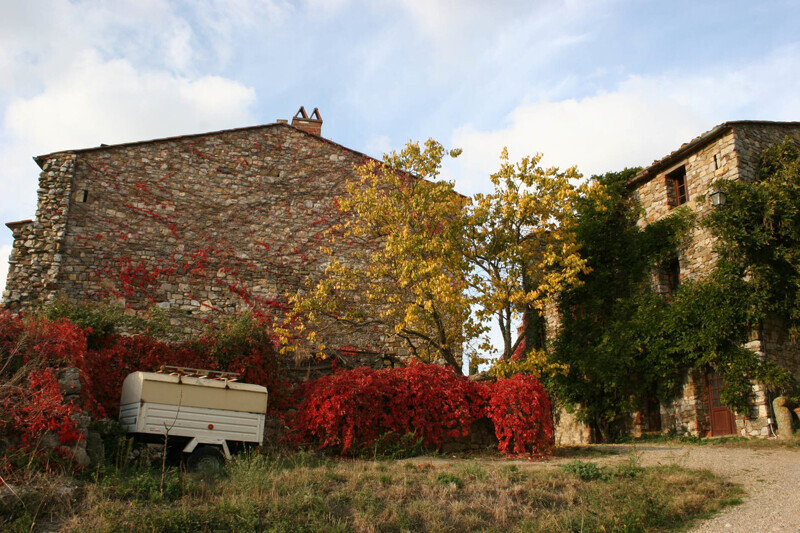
(521, 413)
(357, 410)
(350, 410)
(31, 403)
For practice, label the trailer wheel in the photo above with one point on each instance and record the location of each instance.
(205, 459)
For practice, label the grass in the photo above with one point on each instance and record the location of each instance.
(309, 492)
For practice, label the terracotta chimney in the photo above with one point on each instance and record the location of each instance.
(312, 124)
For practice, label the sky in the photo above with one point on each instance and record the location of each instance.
(603, 84)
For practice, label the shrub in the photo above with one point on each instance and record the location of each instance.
(351, 410)
(521, 413)
(29, 413)
(359, 409)
(31, 403)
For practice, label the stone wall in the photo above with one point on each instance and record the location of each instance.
(38, 249)
(569, 430)
(199, 226)
(717, 160)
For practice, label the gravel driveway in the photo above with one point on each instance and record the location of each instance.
(769, 476)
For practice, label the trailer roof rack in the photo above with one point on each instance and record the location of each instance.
(198, 372)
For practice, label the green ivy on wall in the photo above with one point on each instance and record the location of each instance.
(625, 344)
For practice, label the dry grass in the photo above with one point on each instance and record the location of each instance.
(307, 492)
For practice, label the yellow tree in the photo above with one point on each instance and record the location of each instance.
(407, 272)
(523, 248)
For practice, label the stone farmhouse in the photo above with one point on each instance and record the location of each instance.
(197, 225)
(222, 222)
(729, 151)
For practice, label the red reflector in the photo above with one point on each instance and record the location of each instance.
(211, 426)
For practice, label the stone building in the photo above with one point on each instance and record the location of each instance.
(197, 225)
(685, 177)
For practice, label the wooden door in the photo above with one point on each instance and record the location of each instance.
(722, 420)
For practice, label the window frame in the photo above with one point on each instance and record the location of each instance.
(677, 186)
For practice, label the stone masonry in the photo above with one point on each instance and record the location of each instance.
(199, 226)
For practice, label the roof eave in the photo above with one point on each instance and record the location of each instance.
(695, 144)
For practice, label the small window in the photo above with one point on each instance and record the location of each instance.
(677, 193)
(673, 276)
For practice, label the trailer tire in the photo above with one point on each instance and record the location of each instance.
(205, 459)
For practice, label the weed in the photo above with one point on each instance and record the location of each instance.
(446, 478)
(631, 468)
(586, 471)
(472, 470)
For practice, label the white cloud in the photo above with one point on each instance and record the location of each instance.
(112, 102)
(108, 102)
(87, 99)
(5, 252)
(644, 119)
(600, 133)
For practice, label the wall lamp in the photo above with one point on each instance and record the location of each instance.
(718, 198)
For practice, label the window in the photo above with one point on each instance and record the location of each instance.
(673, 276)
(677, 193)
(667, 278)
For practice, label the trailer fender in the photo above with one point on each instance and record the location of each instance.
(192, 444)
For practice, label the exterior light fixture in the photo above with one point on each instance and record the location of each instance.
(718, 198)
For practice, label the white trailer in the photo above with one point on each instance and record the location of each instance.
(206, 410)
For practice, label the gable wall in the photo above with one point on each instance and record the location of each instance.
(199, 226)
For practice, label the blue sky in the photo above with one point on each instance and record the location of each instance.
(598, 84)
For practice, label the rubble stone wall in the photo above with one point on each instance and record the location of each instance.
(688, 412)
(38, 250)
(199, 226)
(718, 160)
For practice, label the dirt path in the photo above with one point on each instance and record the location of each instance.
(769, 476)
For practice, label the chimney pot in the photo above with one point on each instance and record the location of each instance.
(312, 124)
